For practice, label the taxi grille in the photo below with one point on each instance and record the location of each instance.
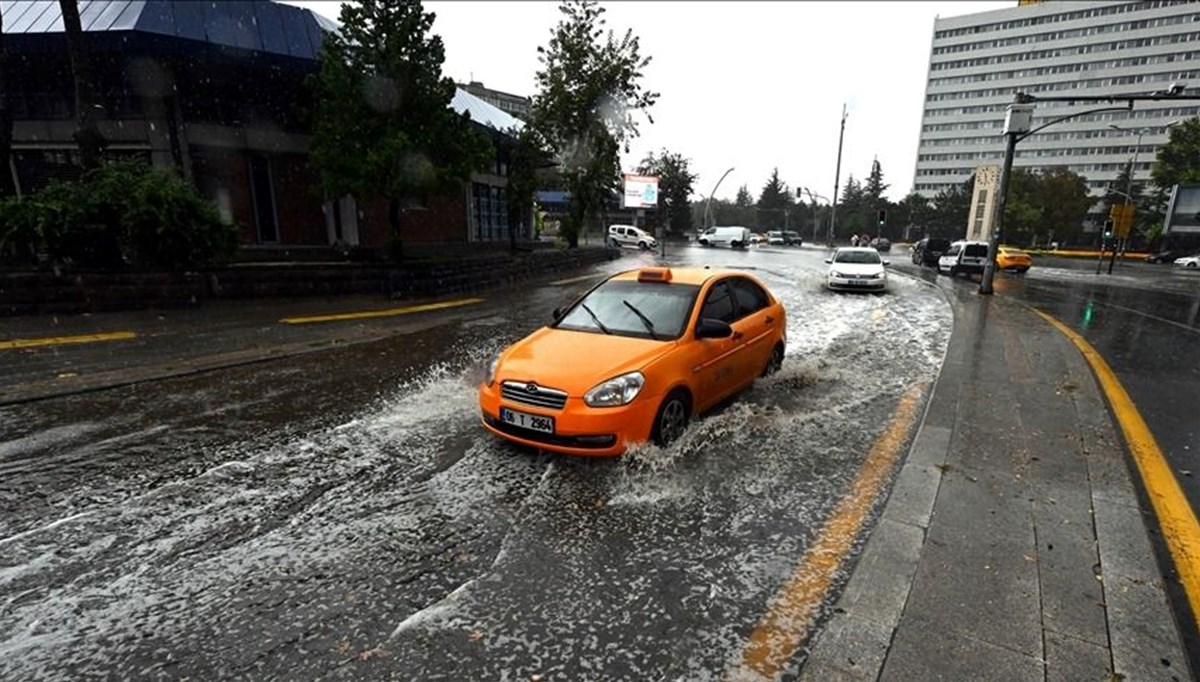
(529, 393)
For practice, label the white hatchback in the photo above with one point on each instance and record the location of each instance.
(857, 267)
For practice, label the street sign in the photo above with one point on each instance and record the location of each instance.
(1122, 217)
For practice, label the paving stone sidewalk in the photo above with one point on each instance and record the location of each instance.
(1012, 546)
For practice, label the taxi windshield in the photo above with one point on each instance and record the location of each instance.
(624, 308)
(857, 257)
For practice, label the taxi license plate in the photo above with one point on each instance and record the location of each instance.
(533, 422)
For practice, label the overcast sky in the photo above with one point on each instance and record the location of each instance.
(748, 85)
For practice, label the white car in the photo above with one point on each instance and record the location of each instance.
(628, 235)
(963, 257)
(733, 237)
(1192, 261)
(775, 238)
(857, 267)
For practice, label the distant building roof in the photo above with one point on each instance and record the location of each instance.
(258, 25)
(483, 113)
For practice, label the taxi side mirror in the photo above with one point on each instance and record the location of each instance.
(713, 329)
(558, 313)
(829, 261)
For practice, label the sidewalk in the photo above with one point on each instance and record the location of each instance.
(1012, 546)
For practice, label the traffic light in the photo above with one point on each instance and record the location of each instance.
(1108, 229)
(882, 217)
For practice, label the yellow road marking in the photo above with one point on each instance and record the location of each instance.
(573, 280)
(60, 340)
(786, 624)
(1180, 528)
(387, 312)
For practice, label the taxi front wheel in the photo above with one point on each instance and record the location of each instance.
(672, 418)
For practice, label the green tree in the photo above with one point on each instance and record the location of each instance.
(1023, 213)
(850, 209)
(1065, 202)
(949, 215)
(384, 127)
(589, 89)
(675, 181)
(525, 157)
(1178, 161)
(744, 198)
(87, 131)
(774, 204)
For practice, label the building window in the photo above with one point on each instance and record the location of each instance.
(490, 209)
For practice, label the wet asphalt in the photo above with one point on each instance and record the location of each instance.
(342, 515)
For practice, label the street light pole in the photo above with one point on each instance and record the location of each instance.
(708, 204)
(837, 176)
(812, 196)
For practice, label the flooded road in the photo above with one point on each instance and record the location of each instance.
(343, 515)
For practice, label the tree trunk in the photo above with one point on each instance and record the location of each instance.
(396, 247)
(7, 186)
(87, 132)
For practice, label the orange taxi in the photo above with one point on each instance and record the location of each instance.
(633, 360)
(1008, 258)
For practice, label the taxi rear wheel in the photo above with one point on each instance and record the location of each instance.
(775, 362)
(672, 418)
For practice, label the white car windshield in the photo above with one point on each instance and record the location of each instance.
(857, 257)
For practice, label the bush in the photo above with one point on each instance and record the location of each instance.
(123, 213)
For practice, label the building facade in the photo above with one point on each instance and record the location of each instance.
(216, 90)
(978, 61)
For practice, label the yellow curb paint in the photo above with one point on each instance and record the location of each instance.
(573, 280)
(1180, 528)
(387, 312)
(787, 622)
(13, 344)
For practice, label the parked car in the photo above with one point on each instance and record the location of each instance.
(928, 250)
(756, 239)
(775, 238)
(880, 244)
(628, 235)
(963, 257)
(1167, 256)
(1192, 261)
(792, 238)
(1008, 258)
(733, 237)
(857, 267)
(634, 359)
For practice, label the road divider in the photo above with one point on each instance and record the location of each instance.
(1177, 519)
(790, 617)
(386, 312)
(14, 344)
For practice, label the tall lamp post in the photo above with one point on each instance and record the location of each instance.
(1129, 185)
(837, 176)
(708, 204)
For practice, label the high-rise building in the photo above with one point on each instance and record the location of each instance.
(515, 105)
(979, 61)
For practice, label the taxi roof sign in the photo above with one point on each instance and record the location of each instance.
(654, 275)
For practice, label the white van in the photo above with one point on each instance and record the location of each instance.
(628, 235)
(733, 237)
(963, 256)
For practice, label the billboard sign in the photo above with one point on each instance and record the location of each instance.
(1183, 213)
(641, 191)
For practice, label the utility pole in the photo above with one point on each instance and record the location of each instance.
(708, 203)
(1017, 121)
(837, 176)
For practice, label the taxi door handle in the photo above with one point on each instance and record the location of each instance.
(737, 335)
(770, 319)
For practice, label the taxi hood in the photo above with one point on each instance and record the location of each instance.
(575, 361)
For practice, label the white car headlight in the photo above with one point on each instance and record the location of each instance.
(491, 373)
(835, 273)
(616, 391)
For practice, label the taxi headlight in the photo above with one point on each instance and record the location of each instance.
(615, 391)
(491, 373)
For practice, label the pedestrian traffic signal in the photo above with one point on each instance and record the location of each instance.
(882, 217)
(1108, 229)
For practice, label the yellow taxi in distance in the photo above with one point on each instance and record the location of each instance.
(1008, 258)
(633, 360)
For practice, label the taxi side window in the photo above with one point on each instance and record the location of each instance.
(719, 304)
(750, 297)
